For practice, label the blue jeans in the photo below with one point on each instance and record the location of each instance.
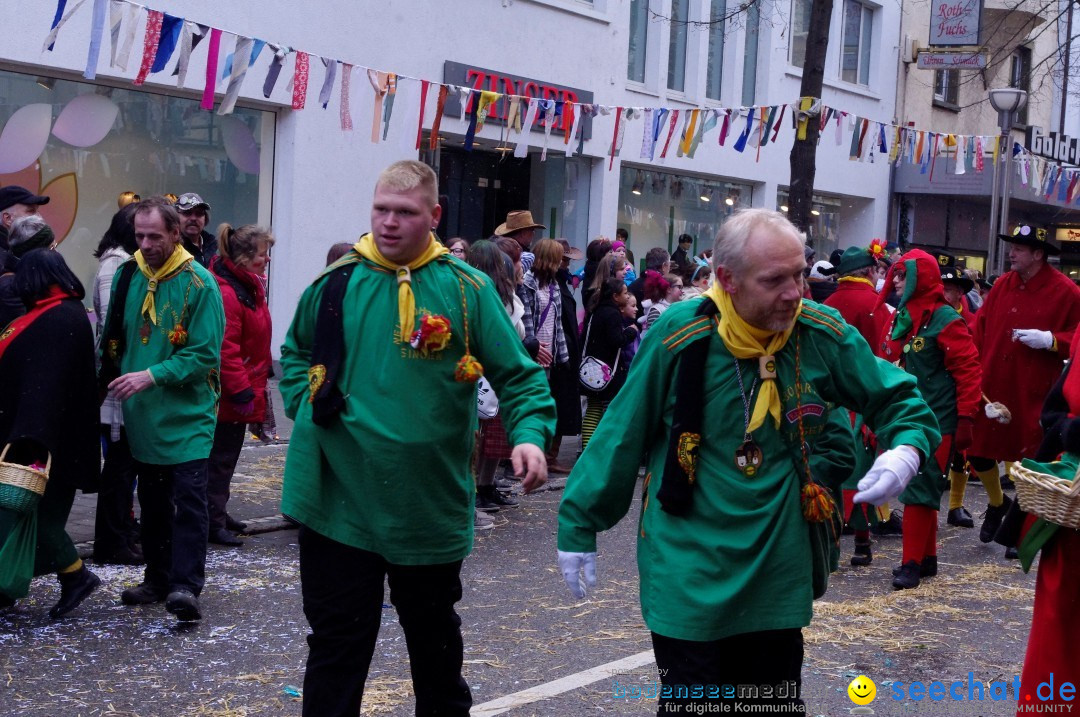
(174, 524)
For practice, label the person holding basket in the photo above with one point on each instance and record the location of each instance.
(48, 431)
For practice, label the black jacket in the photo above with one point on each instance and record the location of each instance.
(606, 337)
(11, 305)
(48, 394)
(563, 378)
(209, 248)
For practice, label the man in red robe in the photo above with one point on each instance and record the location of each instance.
(1023, 333)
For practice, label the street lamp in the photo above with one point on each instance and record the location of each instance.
(1007, 101)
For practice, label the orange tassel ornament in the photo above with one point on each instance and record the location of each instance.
(817, 504)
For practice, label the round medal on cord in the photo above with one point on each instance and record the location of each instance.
(748, 456)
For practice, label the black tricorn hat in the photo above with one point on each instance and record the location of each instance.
(951, 273)
(1028, 235)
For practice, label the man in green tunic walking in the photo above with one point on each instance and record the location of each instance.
(163, 342)
(378, 371)
(725, 404)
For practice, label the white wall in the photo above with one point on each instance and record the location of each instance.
(323, 178)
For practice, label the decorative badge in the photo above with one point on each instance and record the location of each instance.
(918, 344)
(748, 458)
(316, 376)
(433, 334)
(687, 452)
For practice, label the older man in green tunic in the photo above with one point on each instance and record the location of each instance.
(163, 337)
(379, 370)
(737, 533)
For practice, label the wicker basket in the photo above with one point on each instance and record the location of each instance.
(1054, 499)
(21, 487)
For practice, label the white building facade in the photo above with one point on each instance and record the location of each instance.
(299, 171)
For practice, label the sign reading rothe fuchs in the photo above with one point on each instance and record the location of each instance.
(955, 22)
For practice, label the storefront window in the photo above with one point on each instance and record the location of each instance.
(479, 188)
(156, 144)
(658, 207)
(824, 231)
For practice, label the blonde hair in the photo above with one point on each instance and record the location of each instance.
(243, 243)
(409, 174)
(549, 254)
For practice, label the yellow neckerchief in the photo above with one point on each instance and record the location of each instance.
(857, 280)
(179, 259)
(406, 302)
(745, 341)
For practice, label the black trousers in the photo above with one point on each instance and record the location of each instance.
(114, 521)
(755, 660)
(228, 441)
(343, 593)
(173, 500)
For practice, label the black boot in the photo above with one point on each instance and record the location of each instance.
(907, 577)
(992, 521)
(862, 555)
(234, 525)
(961, 518)
(893, 526)
(74, 588)
(492, 496)
(927, 568)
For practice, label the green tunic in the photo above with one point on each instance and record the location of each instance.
(391, 475)
(740, 561)
(924, 358)
(173, 421)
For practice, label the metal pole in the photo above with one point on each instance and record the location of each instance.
(992, 245)
(1007, 170)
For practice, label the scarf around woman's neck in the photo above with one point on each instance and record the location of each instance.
(176, 263)
(43, 239)
(406, 301)
(745, 341)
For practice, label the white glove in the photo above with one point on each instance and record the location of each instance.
(1033, 338)
(570, 564)
(889, 475)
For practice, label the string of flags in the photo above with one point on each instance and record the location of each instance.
(665, 131)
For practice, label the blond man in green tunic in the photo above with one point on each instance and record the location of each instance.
(727, 404)
(378, 371)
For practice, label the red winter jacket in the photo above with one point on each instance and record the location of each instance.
(245, 349)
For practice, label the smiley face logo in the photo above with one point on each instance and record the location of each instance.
(862, 690)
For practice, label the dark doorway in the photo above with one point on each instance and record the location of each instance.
(480, 189)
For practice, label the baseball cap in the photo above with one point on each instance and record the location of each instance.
(12, 195)
(190, 201)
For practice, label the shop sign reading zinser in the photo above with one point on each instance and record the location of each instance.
(456, 73)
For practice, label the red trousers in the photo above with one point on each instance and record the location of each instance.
(920, 522)
(1054, 642)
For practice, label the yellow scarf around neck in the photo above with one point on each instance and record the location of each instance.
(745, 341)
(179, 259)
(406, 301)
(857, 280)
